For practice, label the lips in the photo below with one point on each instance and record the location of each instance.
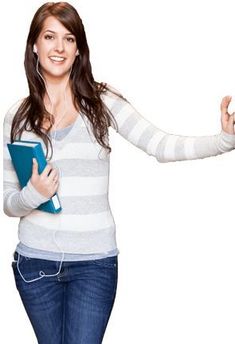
(57, 59)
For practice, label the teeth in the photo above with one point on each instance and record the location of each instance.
(55, 58)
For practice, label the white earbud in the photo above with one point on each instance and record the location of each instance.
(77, 53)
(35, 50)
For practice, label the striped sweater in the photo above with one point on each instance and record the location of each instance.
(86, 224)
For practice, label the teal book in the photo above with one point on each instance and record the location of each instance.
(22, 154)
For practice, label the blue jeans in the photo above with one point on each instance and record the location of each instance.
(73, 307)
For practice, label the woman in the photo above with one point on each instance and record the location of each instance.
(65, 265)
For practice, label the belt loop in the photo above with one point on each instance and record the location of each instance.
(15, 255)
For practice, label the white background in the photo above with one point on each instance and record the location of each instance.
(174, 61)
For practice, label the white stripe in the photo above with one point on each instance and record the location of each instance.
(10, 176)
(78, 223)
(7, 129)
(169, 151)
(90, 222)
(42, 218)
(83, 186)
(137, 131)
(109, 100)
(123, 114)
(189, 148)
(87, 151)
(72, 186)
(6, 153)
(153, 143)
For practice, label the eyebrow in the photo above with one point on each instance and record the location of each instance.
(69, 33)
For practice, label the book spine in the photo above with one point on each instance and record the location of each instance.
(53, 205)
(41, 160)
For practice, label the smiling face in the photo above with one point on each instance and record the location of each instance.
(56, 48)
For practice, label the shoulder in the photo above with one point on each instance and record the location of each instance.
(12, 110)
(110, 94)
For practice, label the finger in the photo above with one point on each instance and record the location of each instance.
(224, 104)
(232, 120)
(56, 184)
(53, 175)
(47, 170)
(230, 124)
(35, 166)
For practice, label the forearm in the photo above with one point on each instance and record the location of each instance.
(177, 148)
(21, 203)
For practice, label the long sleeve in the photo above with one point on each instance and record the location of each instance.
(17, 202)
(163, 146)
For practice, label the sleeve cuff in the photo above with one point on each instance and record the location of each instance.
(226, 141)
(32, 197)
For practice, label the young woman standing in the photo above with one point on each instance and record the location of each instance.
(65, 265)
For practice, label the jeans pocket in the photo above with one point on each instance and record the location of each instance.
(108, 262)
(15, 259)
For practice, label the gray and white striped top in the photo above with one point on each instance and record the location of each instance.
(86, 224)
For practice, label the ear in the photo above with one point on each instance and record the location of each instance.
(77, 53)
(35, 50)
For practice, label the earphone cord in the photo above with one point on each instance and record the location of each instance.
(65, 97)
(42, 273)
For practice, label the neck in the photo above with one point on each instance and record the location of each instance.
(57, 90)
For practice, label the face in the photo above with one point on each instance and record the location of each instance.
(56, 48)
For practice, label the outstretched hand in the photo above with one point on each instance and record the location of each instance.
(227, 119)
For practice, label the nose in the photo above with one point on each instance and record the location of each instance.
(59, 46)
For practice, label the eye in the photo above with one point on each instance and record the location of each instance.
(71, 39)
(48, 36)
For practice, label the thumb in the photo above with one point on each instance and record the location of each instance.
(230, 124)
(232, 118)
(35, 166)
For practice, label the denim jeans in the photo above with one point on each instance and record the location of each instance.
(73, 307)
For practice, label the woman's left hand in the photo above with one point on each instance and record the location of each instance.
(227, 120)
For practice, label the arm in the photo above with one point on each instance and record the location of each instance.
(17, 202)
(163, 146)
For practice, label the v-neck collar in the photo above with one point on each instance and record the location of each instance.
(73, 125)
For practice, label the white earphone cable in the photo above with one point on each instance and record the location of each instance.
(42, 273)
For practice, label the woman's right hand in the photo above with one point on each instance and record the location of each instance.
(227, 119)
(47, 182)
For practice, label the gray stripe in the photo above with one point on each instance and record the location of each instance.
(42, 254)
(82, 167)
(84, 205)
(146, 136)
(74, 167)
(203, 148)
(85, 242)
(61, 133)
(11, 185)
(8, 119)
(129, 123)
(179, 149)
(7, 163)
(78, 135)
(117, 106)
(160, 151)
(6, 140)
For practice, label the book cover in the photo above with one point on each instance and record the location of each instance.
(22, 154)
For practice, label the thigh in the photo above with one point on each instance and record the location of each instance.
(89, 301)
(43, 299)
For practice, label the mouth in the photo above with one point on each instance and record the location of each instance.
(57, 59)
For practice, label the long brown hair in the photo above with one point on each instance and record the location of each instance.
(86, 91)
